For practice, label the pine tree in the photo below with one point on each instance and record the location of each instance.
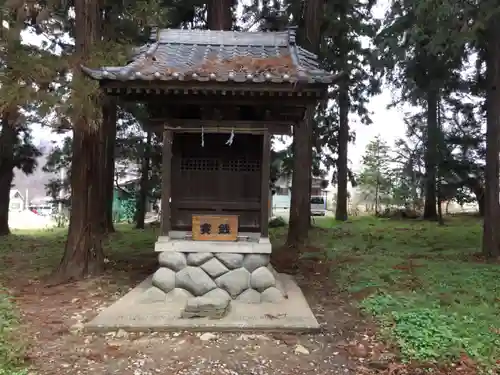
(93, 119)
(309, 18)
(59, 158)
(375, 177)
(309, 37)
(220, 14)
(407, 173)
(83, 253)
(422, 60)
(347, 23)
(25, 83)
(340, 25)
(490, 41)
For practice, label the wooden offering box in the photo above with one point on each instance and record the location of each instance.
(215, 228)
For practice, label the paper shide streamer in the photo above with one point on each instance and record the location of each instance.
(229, 142)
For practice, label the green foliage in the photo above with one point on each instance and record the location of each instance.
(346, 23)
(375, 178)
(58, 159)
(129, 151)
(277, 222)
(36, 254)
(427, 331)
(128, 209)
(10, 351)
(25, 153)
(434, 298)
(460, 161)
(342, 27)
(61, 220)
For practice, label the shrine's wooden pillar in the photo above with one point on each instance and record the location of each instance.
(264, 195)
(166, 178)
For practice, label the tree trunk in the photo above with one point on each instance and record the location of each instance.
(431, 155)
(311, 40)
(491, 239)
(140, 211)
(440, 212)
(108, 129)
(83, 253)
(108, 141)
(476, 187)
(299, 205)
(343, 142)
(439, 187)
(311, 220)
(300, 208)
(7, 140)
(220, 14)
(480, 204)
(310, 118)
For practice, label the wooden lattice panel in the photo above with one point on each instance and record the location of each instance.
(215, 228)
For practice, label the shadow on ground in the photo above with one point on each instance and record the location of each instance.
(52, 318)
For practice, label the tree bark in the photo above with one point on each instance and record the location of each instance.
(140, 212)
(299, 205)
(477, 188)
(431, 155)
(311, 40)
(83, 253)
(108, 142)
(343, 143)
(491, 239)
(480, 204)
(440, 209)
(220, 14)
(7, 140)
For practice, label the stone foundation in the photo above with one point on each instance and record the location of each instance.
(211, 280)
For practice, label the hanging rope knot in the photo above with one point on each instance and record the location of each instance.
(202, 137)
(229, 142)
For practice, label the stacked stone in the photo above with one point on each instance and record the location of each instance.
(214, 305)
(247, 278)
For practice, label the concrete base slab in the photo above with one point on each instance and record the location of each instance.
(187, 245)
(135, 313)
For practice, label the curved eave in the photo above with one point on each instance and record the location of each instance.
(116, 74)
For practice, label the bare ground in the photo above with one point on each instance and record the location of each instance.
(52, 317)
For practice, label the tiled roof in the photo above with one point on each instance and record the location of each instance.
(219, 56)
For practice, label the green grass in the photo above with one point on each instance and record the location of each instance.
(422, 282)
(34, 254)
(11, 351)
(432, 295)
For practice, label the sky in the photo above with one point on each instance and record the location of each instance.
(388, 123)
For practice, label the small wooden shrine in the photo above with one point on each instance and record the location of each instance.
(218, 96)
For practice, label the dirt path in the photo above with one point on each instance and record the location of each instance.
(56, 348)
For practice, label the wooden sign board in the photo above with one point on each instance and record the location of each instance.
(215, 228)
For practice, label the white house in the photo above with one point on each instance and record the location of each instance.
(16, 201)
(282, 196)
